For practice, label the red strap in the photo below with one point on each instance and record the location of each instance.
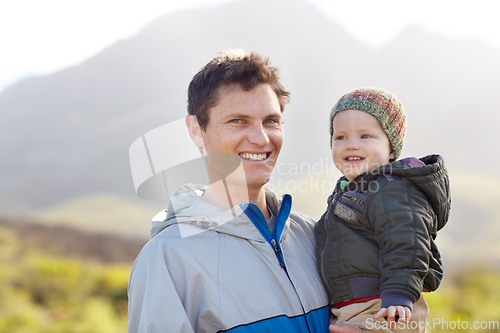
(356, 300)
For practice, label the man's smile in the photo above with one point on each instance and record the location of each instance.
(254, 156)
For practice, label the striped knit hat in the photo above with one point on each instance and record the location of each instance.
(381, 104)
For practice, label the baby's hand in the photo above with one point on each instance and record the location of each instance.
(394, 313)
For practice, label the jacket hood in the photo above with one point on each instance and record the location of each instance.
(188, 208)
(430, 176)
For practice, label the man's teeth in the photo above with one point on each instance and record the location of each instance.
(353, 158)
(254, 157)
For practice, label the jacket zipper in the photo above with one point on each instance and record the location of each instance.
(277, 252)
(354, 199)
(323, 269)
(272, 241)
(323, 251)
(279, 256)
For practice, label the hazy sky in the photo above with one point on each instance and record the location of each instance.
(42, 36)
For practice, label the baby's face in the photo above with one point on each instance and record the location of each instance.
(359, 143)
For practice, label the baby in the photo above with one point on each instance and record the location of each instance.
(376, 246)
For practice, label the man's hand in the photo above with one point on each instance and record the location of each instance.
(393, 312)
(344, 329)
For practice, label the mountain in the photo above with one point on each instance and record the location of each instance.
(66, 135)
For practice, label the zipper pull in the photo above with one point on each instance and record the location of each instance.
(277, 251)
(354, 199)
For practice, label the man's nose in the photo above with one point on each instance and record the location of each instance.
(258, 135)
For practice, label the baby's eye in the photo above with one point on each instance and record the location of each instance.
(340, 137)
(365, 136)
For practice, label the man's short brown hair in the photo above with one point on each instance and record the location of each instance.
(231, 67)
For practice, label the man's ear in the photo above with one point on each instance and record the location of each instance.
(195, 131)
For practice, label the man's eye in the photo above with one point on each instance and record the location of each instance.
(235, 121)
(272, 121)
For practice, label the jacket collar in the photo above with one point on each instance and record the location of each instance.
(188, 207)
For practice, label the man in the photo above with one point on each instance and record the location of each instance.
(231, 256)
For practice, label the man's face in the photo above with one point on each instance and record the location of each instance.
(247, 125)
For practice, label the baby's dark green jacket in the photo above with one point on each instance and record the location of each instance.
(377, 236)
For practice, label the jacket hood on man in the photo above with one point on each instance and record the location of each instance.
(188, 208)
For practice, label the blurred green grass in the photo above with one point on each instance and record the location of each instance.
(42, 290)
(55, 289)
(468, 297)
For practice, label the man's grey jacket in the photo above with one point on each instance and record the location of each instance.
(210, 270)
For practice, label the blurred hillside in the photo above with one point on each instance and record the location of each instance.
(58, 280)
(101, 213)
(66, 135)
(76, 282)
(29, 237)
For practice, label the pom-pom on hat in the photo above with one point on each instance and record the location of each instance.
(381, 104)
